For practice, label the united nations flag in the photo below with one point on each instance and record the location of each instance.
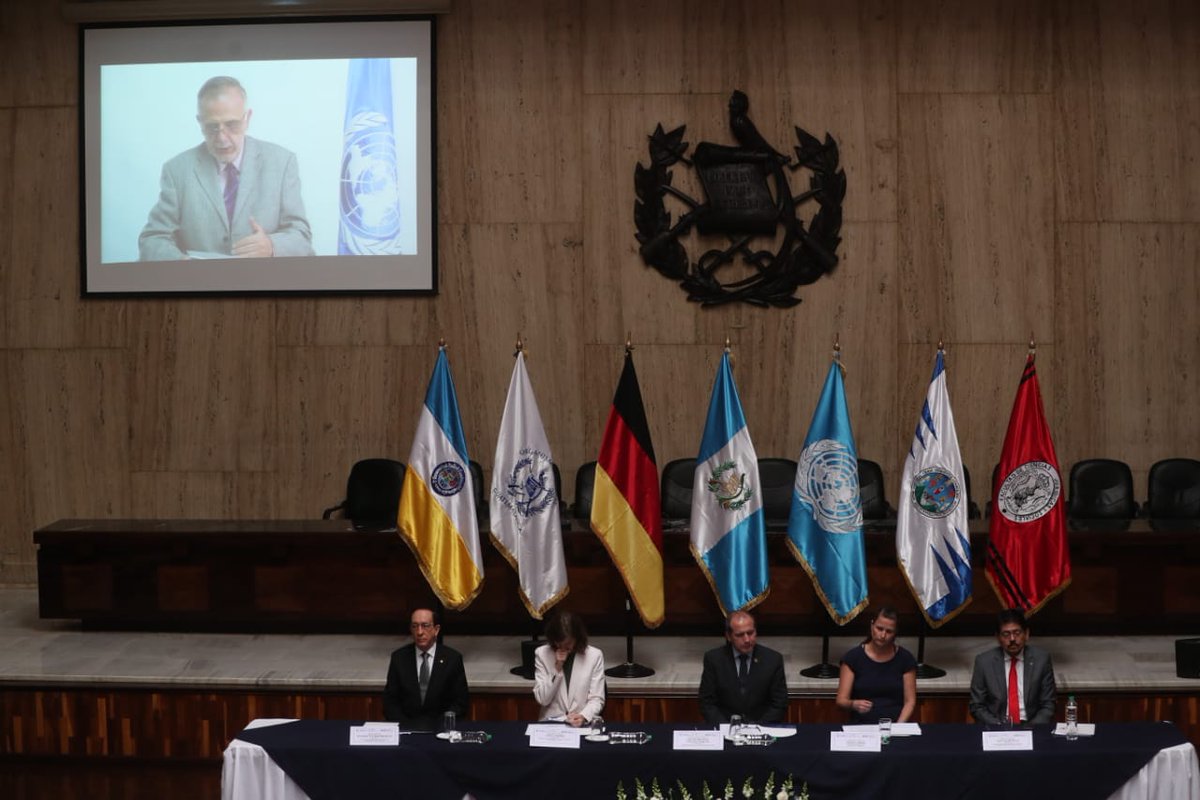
(369, 191)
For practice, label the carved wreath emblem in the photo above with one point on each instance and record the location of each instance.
(747, 198)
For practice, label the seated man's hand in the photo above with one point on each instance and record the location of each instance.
(256, 245)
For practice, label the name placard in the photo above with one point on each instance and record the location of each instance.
(1008, 740)
(698, 740)
(374, 735)
(554, 736)
(865, 741)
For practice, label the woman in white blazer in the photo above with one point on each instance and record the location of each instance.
(568, 678)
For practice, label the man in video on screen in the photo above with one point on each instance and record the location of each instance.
(231, 196)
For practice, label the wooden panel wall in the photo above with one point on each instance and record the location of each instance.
(1013, 167)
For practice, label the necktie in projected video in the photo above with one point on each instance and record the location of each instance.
(231, 187)
(370, 197)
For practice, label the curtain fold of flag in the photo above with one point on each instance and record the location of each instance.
(1028, 561)
(933, 543)
(436, 517)
(526, 527)
(728, 531)
(626, 506)
(825, 524)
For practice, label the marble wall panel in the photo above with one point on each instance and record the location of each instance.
(42, 286)
(338, 405)
(976, 217)
(508, 112)
(992, 46)
(40, 57)
(69, 407)
(1129, 348)
(1128, 108)
(202, 386)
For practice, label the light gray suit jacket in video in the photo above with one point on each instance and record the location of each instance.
(989, 686)
(190, 213)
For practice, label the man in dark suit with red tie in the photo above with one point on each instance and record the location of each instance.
(1015, 681)
(425, 679)
(743, 677)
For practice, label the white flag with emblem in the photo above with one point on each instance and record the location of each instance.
(933, 544)
(524, 501)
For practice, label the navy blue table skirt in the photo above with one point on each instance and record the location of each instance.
(946, 761)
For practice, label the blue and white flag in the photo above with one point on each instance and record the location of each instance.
(932, 541)
(825, 526)
(524, 501)
(370, 186)
(729, 537)
(437, 503)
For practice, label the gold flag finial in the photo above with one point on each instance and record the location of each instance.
(628, 342)
(442, 344)
(520, 347)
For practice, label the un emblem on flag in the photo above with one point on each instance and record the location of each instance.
(935, 493)
(1029, 492)
(370, 197)
(827, 479)
(747, 201)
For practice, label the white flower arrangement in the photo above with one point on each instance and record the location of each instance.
(680, 791)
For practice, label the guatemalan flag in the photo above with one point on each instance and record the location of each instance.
(825, 526)
(729, 538)
(370, 186)
(932, 541)
(437, 504)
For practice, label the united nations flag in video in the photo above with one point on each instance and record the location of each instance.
(370, 197)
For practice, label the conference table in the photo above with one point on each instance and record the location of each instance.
(313, 760)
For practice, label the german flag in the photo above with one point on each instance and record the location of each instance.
(626, 507)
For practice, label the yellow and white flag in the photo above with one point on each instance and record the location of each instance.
(437, 504)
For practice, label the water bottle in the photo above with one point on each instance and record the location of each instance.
(1072, 719)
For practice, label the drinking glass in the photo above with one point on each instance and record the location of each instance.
(735, 728)
(599, 731)
(450, 727)
(885, 730)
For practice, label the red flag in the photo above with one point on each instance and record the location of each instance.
(1027, 556)
(626, 507)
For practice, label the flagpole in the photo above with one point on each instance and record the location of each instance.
(630, 669)
(926, 671)
(823, 669)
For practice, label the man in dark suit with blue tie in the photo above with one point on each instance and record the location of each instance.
(425, 679)
(743, 677)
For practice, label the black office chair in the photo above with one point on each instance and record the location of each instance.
(1173, 494)
(777, 477)
(372, 493)
(585, 483)
(483, 506)
(871, 491)
(1101, 495)
(677, 477)
(972, 506)
(987, 511)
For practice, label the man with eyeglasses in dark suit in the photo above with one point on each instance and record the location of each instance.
(232, 196)
(425, 679)
(1013, 683)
